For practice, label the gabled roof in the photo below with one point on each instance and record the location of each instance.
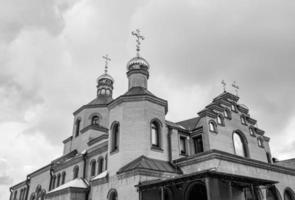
(189, 123)
(144, 162)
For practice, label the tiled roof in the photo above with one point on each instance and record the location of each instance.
(144, 162)
(189, 123)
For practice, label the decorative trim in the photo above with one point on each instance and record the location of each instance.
(94, 127)
(136, 71)
(89, 106)
(66, 191)
(97, 139)
(73, 161)
(146, 172)
(101, 148)
(216, 154)
(207, 113)
(99, 181)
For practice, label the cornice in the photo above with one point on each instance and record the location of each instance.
(140, 97)
(214, 106)
(18, 185)
(89, 106)
(39, 171)
(67, 139)
(99, 181)
(71, 162)
(146, 172)
(94, 127)
(216, 154)
(97, 139)
(207, 113)
(251, 120)
(101, 148)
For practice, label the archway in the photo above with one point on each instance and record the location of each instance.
(272, 193)
(196, 190)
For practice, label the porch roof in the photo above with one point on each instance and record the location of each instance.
(212, 173)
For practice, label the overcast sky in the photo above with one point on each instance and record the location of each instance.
(50, 57)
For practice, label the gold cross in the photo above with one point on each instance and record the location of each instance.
(224, 84)
(107, 59)
(139, 37)
(234, 85)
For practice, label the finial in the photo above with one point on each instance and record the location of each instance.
(139, 37)
(224, 85)
(234, 85)
(107, 59)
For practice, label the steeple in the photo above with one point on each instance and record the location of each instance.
(138, 67)
(105, 82)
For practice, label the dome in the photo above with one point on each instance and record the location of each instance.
(138, 63)
(105, 76)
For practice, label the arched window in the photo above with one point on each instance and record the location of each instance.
(106, 162)
(212, 127)
(100, 165)
(77, 127)
(63, 178)
(95, 120)
(243, 120)
(239, 145)
(112, 195)
(260, 142)
(196, 190)
(155, 134)
(53, 181)
(289, 194)
(220, 120)
(227, 113)
(115, 137)
(58, 180)
(233, 108)
(92, 168)
(251, 130)
(76, 172)
(272, 193)
(43, 193)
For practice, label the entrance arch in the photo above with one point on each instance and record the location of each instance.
(196, 190)
(272, 193)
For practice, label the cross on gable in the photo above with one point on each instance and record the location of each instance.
(234, 85)
(224, 84)
(139, 37)
(107, 59)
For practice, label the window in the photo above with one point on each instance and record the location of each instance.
(239, 145)
(227, 113)
(58, 180)
(95, 120)
(78, 122)
(233, 108)
(289, 194)
(92, 168)
(100, 165)
(15, 194)
(212, 127)
(63, 178)
(251, 130)
(260, 142)
(53, 181)
(268, 156)
(182, 141)
(198, 144)
(115, 137)
(112, 195)
(76, 172)
(155, 134)
(220, 120)
(243, 120)
(106, 161)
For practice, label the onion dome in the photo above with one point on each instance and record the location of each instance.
(138, 65)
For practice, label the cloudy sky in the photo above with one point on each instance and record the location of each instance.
(50, 56)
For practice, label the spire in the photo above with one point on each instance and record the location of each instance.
(105, 81)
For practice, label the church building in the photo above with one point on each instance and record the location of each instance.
(124, 148)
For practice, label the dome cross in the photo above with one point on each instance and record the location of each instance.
(139, 37)
(107, 59)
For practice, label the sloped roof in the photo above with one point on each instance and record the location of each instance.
(138, 91)
(189, 123)
(76, 183)
(144, 162)
(172, 124)
(100, 100)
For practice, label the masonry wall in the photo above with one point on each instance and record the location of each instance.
(42, 179)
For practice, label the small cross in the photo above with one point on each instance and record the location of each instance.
(234, 85)
(224, 84)
(107, 59)
(139, 37)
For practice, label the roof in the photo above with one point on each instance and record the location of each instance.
(144, 162)
(76, 183)
(239, 179)
(100, 100)
(290, 163)
(172, 124)
(138, 91)
(189, 123)
(100, 176)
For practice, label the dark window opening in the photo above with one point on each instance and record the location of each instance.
(198, 144)
(182, 141)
